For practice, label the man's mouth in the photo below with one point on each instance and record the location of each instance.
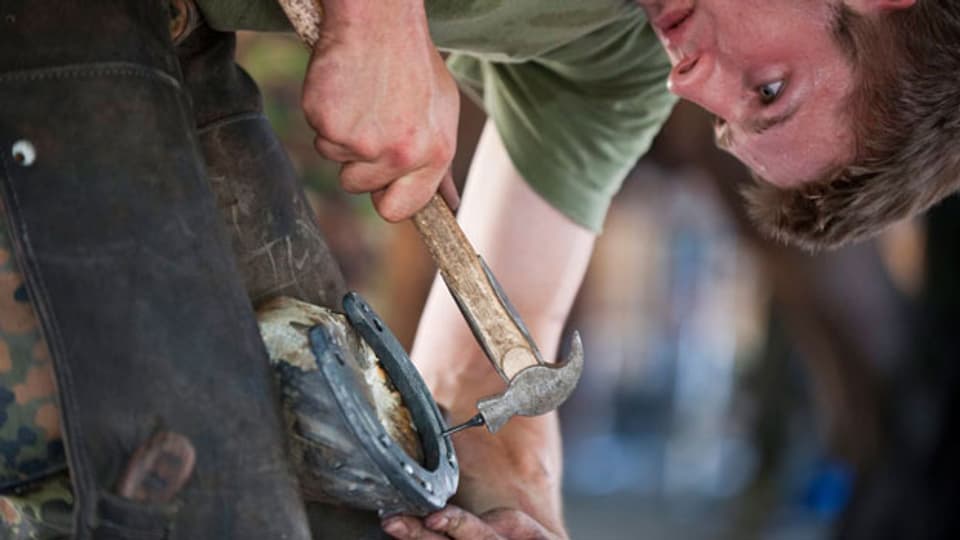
(672, 19)
(685, 65)
(671, 24)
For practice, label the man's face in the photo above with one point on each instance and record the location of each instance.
(773, 74)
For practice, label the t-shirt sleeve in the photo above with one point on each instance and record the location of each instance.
(575, 119)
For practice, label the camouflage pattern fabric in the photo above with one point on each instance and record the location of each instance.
(41, 512)
(30, 445)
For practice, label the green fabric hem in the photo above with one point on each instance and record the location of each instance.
(581, 203)
(256, 15)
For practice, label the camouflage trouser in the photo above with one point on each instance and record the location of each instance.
(29, 425)
(30, 444)
(42, 511)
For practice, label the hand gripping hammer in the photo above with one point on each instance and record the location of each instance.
(534, 387)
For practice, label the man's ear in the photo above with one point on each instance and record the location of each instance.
(874, 6)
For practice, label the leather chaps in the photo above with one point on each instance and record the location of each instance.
(130, 269)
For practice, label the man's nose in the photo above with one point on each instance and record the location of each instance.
(704, 82)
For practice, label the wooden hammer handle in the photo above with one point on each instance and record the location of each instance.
(305, 16)
(505, 344)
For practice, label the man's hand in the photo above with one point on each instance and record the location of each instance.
(383, 103)
(456, 523)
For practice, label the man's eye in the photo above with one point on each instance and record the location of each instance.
(770, 92)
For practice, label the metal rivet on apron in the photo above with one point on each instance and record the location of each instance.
(184, 19)
(24, 153)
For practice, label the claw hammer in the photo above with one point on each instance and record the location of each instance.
(534, 387)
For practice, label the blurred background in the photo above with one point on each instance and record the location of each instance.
(735, 388)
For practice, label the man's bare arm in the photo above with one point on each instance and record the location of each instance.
(540, 257)
(382, 102)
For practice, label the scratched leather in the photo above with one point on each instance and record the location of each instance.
(272, 230)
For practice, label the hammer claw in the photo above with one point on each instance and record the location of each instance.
(535, 390)
(575, 352)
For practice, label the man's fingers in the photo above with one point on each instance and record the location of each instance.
(364, 177)
(368, 177)
(455, 523)
(405, 196)
(408, 528)
(460, 525)
(448, 190)
(333, 151)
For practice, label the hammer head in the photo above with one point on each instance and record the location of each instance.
(535, 390)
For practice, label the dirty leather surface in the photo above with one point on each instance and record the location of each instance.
(272, 230)
(273, 233)
(128, 266)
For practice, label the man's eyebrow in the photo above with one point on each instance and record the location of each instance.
(759, 125)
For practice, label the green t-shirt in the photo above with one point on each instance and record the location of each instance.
(577, 88)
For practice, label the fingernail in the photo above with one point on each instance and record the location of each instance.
(395, 527)
(437, 522)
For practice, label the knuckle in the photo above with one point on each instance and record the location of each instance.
(322, 147)
(457, 520)
(353, 187)
(327, 124)
(313, 107)
(503, 518)
(321, 120)
(350, 182)
(349, 186)
(309, 105)
(443, 151)
(364, 146)
(403, 155)
(390, 210)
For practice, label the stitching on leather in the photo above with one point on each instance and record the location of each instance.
(155, 522)
(159, 533)
(82, 71)
(232, 119)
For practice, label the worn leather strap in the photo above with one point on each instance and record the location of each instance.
(184, 19)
